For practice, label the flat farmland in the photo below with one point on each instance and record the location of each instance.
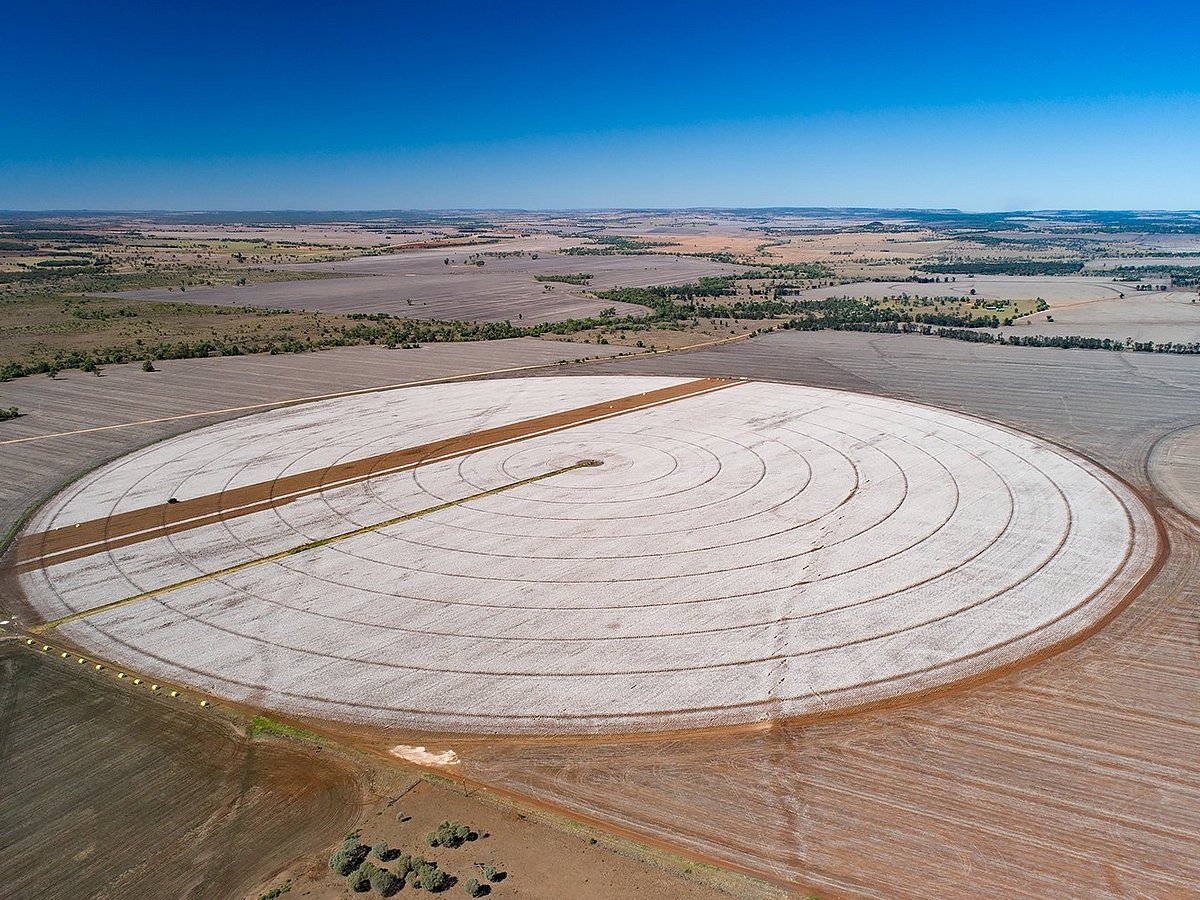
(1160, 316)
(1109, 262)
(137, 798)
(1175, 469)
(157, 799)
(420, 285)
(1092, 307)
(1077, 776)
(1056, 291)
(77, 421)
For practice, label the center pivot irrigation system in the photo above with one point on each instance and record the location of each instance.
(576, 555)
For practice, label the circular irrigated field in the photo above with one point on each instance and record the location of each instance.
(439, 559)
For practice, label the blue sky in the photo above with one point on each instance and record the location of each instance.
(558, 105)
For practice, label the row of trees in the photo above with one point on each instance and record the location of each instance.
(1179, 276)
(982, 336)
(1004, 267)
(578, 278)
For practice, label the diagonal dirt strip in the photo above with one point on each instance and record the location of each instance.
(311, 545)
(123, 529)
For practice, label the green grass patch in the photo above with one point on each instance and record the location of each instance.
(261, 725)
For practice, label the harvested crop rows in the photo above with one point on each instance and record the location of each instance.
(743, 551)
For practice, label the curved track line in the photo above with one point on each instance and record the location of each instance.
(311, 545)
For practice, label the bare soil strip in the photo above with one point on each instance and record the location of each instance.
(311, 545)
(123, 529)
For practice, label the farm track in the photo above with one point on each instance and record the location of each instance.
(311, 545)
(1074, 777)
(90, 420)
(136, 526)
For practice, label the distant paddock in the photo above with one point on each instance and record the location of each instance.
(421, 285)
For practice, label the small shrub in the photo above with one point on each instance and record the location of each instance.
(450, 834)
(420, 867)
(10, 412)
(474, 889)
(367, 870)
(148, 366)
(385, 883)
(435, 880)
(358, 882)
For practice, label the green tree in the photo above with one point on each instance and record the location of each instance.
(385, 883)
(450, 834)
(435, 880)
(349, 856)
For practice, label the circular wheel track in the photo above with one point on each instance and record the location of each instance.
(765, 550)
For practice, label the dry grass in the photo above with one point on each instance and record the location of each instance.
(38, 327)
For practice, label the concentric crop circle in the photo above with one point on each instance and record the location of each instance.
(742, 551)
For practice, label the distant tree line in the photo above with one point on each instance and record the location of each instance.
(614, 245)
(570, 278)
(1180, 276)
(1004, 267)
(812, 271)
(980, 336)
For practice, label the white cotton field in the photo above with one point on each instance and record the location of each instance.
(760, 551)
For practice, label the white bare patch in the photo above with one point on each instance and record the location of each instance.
(423, 757)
